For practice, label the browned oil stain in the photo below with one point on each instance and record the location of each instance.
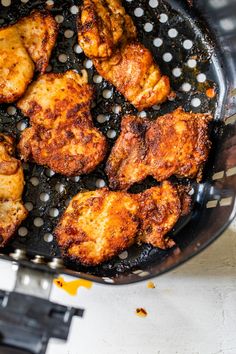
(150, 285)
(71, 287)
(210, 92)
(141, 312)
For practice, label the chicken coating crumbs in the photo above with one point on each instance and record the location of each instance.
(141, 312)
(150, 285)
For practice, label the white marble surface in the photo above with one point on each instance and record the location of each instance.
(192, 310)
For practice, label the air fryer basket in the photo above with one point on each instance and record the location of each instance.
(195, 44)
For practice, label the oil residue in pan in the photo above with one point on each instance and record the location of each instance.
(183, 52)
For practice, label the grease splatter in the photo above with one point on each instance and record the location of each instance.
(71, 287)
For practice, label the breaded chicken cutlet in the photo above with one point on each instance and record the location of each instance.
(103, 25)
(24, 46)
(12, 211)
(16, 66)
(100, 224)
(174, 144)
(97, 225)
(38, 32)
(108, 36)
(62, 135)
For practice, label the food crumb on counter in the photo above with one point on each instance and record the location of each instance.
(150, 285)
(141, 312)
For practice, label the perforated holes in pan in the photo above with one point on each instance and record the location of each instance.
(183, 52)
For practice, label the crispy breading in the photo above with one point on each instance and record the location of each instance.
(174, 144)
(11, 172)
(103, 25)
(159, 210)
(126, 163)
(108, 36)
(135, 74)
(62, 135)
(29, 41)
(55, 98)
(97, 225)
(12, 211)
(179, 144)
(38, 32)
(16, 66)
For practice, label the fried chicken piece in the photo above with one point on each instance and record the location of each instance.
(16, 66)
(126, 163)
(62, 135)
(103, 25)
(11, 172)
(12, 211)
(179, 144)
(175, 144)
(159, 210)
(135, 74)
(29, 41)
(97, 225)
(108, 36)
(38, 32)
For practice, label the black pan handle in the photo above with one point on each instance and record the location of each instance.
(8, 350)
(27, 322)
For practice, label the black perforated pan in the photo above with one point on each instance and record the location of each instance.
(191, 51)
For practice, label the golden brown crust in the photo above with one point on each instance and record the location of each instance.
(185, 198)
(126, 163)
(16, 66)
(97, 226)
(62, 135)
(179, 144)
(29, 41)
(135, 74)
(175, 144)
(38, 32)
(102, 26)
(159, 210)
(11, 172)
(12, 211)
(108, 36)
(62, 96)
